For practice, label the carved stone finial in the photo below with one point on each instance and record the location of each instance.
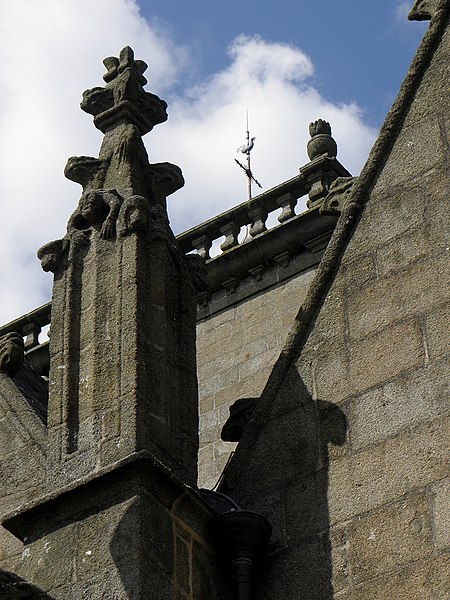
(321, 141)
(123, 100)
(11, 353)
(124, 298)
(423, 10)
(319, 127)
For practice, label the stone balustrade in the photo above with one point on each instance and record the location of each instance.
(313, 180)
(286, 238)
(29, 326)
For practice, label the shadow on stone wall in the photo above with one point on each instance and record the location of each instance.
(162, 549)
(13, 587)
(142, 549)
(281, 471)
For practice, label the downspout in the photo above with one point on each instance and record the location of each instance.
(242, 536)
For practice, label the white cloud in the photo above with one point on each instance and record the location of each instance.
(271, 81)
(52, 51)
(402, 10)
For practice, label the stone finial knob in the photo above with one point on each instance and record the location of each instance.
(321, 141)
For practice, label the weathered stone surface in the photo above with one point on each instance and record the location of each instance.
(386, 354)
(50, 561)
(423, 580)
(10, 546)
(14, 588)
(441, 514)
(390, 538)
(398, 405)
(371, 478)
(401, 252)
(437, 331)
(253, 333)
(393, 298)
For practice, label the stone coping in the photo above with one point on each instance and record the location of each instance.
(30, 520)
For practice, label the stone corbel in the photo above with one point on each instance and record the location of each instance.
(339, 191)
(53, 255)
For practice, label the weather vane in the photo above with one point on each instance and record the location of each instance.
(246, 149)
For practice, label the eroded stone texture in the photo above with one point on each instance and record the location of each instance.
(122, 374)
(14, 588)
(123, 412)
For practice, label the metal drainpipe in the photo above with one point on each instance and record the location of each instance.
(245, 536)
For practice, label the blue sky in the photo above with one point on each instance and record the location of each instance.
(361, 49)
(287, 63)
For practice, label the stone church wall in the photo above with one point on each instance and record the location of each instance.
(236, 351)
(349, 455)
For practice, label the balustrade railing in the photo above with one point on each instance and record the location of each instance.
(30, 326)
(252, 214)
(313, 180)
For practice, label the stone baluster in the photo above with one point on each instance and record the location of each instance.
(231, 232)
(258, 215)
(31, 333)
(203, 245)
(287, 202)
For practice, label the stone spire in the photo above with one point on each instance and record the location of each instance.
(122, 351)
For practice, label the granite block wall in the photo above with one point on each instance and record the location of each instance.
(349, 459)
(236, 350)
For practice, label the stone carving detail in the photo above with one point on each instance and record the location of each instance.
(98, 209)
(134, 216)
(121, 190)
(423, 10)
(124, 96)
(86, 170)
(11, 353)
(321, 141)
(53, 255)
(339, 191)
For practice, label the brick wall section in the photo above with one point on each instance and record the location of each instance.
(236, 350)
(368, 518)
